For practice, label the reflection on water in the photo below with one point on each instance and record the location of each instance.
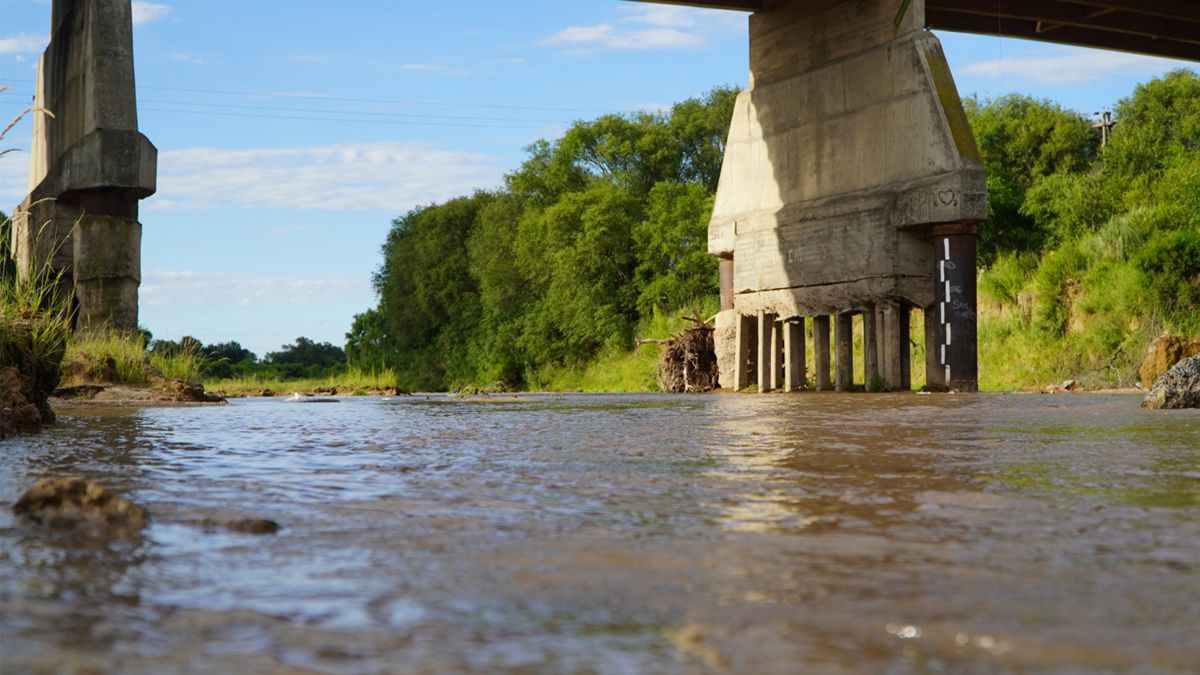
(858, 533)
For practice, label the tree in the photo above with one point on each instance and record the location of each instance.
(306, 358)
(1023, 139)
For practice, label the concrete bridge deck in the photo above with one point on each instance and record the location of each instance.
(1168, 28)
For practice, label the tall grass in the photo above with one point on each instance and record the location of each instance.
(107, 356)
(35, 322)
(351, 381)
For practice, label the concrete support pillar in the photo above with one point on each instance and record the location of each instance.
(108, 271)
(725, 268)
(793, 347)
(747, 332)
(777, 355)
(821, 352)
(843, 338)
(871, 376)
(954, 336)
(894, 354)
(766, 347)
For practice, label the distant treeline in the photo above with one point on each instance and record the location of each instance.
(303, 359)
(593, 234)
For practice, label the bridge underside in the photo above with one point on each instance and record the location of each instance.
(1169, 28)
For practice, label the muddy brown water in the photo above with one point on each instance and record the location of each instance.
(619, 534)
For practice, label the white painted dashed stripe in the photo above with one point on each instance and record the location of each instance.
(942, 270)
(947, 374)
(942, 309)
(943, 354)
(948, 335)
(946, 241)
(947, 291)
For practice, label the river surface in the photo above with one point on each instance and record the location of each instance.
(619, 534)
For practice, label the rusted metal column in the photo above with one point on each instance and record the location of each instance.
(746, 340)
(843, 338)
(725, 267)
(793, 347)
(766, 345)
(871, 376)
(954, 339)
(821, 352)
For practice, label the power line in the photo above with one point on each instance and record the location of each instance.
(323, 97)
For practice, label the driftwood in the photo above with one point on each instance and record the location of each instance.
(689, 360)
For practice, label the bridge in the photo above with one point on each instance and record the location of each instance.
(851, 183)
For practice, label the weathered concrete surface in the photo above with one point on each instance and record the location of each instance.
(849, 145)
(89, 163)
(725, 343)
(1179, 387)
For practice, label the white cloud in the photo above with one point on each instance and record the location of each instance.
(648, 27)
(1067, 66)
(145, 12)
(389, 176)
(187, 58)
(438, 68)
(22, 43)
(194, 289)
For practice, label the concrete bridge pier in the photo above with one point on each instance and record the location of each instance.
(843, 338)
(89, 164)
(795, 364)
(846, 152)
(821, 381)
(871, 378)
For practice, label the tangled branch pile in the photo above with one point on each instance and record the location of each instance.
(689, 360)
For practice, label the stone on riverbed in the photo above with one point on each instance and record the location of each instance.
(74, 502)
(1179, 387)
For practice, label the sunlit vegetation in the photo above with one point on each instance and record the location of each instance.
(548, 281)
(1089, 252)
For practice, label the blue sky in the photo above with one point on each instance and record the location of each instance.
(291, 134)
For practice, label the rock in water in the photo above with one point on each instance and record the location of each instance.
(74, 502)
(1179, 387)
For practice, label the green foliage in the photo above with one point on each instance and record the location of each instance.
(1118, 255)
(305, 359)
(35, 322)
(1008, 276)
(1023, 139)
(1171, 262)
(519, 287)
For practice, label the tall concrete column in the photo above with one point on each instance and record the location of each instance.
(794, 360)
(89, 164)
(747, 340)
(871, 377)
(954, 335)
(894, 354)
(725, 269)
(821, 352)
(766, 346)
(843, 338)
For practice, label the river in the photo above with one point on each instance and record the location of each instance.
(619, 534)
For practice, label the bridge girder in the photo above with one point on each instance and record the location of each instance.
(1168, 28)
